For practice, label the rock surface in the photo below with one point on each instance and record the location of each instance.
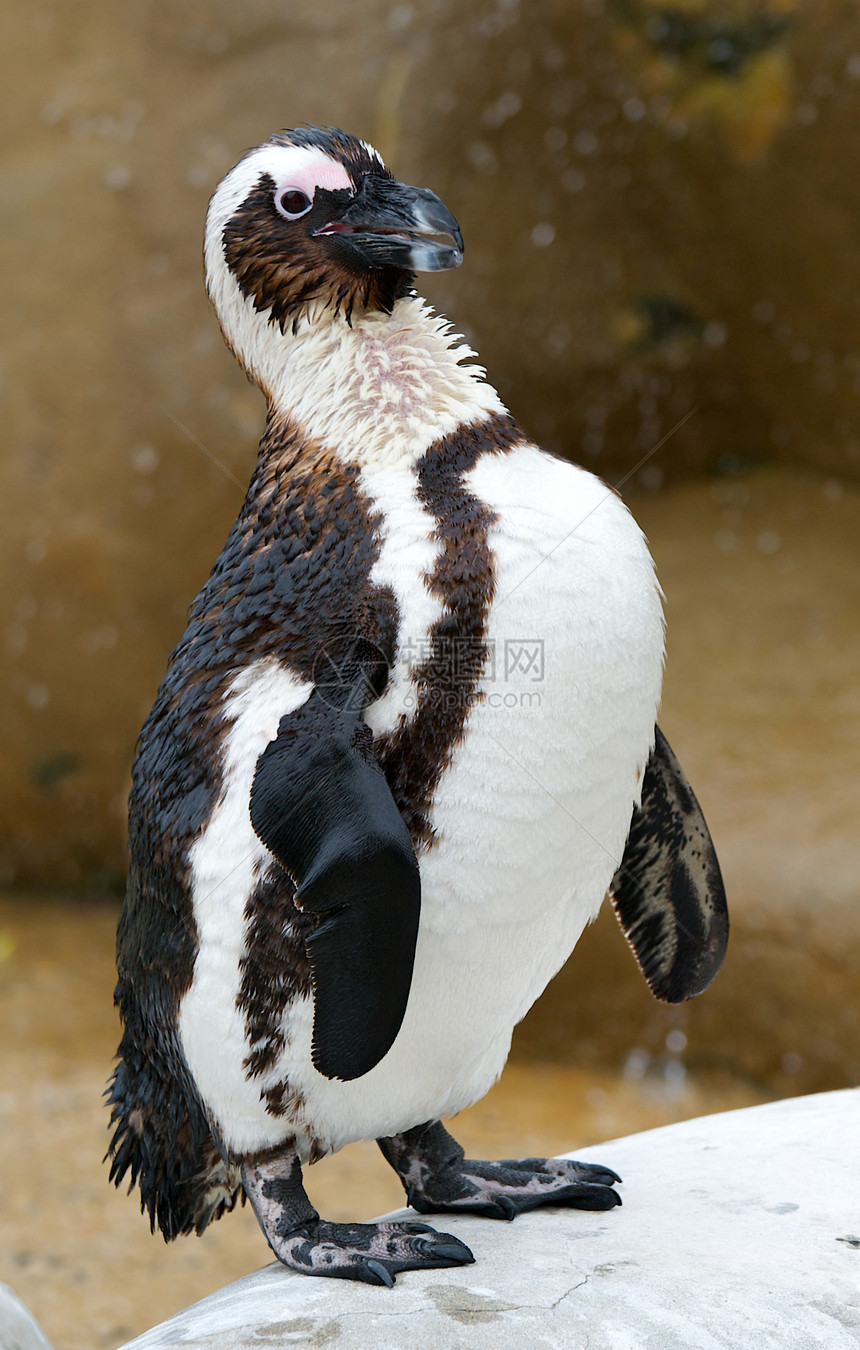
(19, 1329)
(737, 1229)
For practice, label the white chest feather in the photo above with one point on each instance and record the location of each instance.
(534, 812)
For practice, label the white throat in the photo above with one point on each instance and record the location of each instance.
(384, 386)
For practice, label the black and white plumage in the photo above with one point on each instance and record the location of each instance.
(391, 770)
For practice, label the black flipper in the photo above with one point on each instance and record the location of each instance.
(321, 805)
(668, 891)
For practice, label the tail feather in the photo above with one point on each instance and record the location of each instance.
(163, 1144)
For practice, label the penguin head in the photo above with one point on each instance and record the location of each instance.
(311, 226)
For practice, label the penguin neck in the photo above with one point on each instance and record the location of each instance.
(378, 391)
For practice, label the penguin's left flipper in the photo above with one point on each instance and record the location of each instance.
(668, 891)
(321, 805)
(439, 1178)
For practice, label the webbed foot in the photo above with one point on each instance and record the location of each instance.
(437, 1177)
(372, 1252)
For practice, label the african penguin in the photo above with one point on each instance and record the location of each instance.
(403, 748)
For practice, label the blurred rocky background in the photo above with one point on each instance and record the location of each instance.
(660, 203)
(661, 207)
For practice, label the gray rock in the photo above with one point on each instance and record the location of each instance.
(19, 1329)
(737, 1229)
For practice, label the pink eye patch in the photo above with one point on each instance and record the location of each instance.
(309, 170)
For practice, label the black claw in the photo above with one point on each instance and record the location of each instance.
(454, 1251)
(505, 1206)
(383, 1276)
(603, 1175)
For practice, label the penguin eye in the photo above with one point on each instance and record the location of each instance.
(292, 203)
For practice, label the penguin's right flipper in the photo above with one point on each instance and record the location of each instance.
(321, 805)
(668, 891)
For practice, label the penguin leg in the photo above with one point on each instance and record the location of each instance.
(372, 1252)
(438, 1177)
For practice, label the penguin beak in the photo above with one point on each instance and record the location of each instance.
(388, 224)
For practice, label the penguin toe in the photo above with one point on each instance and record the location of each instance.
(586, 1195)
(564, 1167)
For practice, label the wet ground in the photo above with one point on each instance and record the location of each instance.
(762, 704)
